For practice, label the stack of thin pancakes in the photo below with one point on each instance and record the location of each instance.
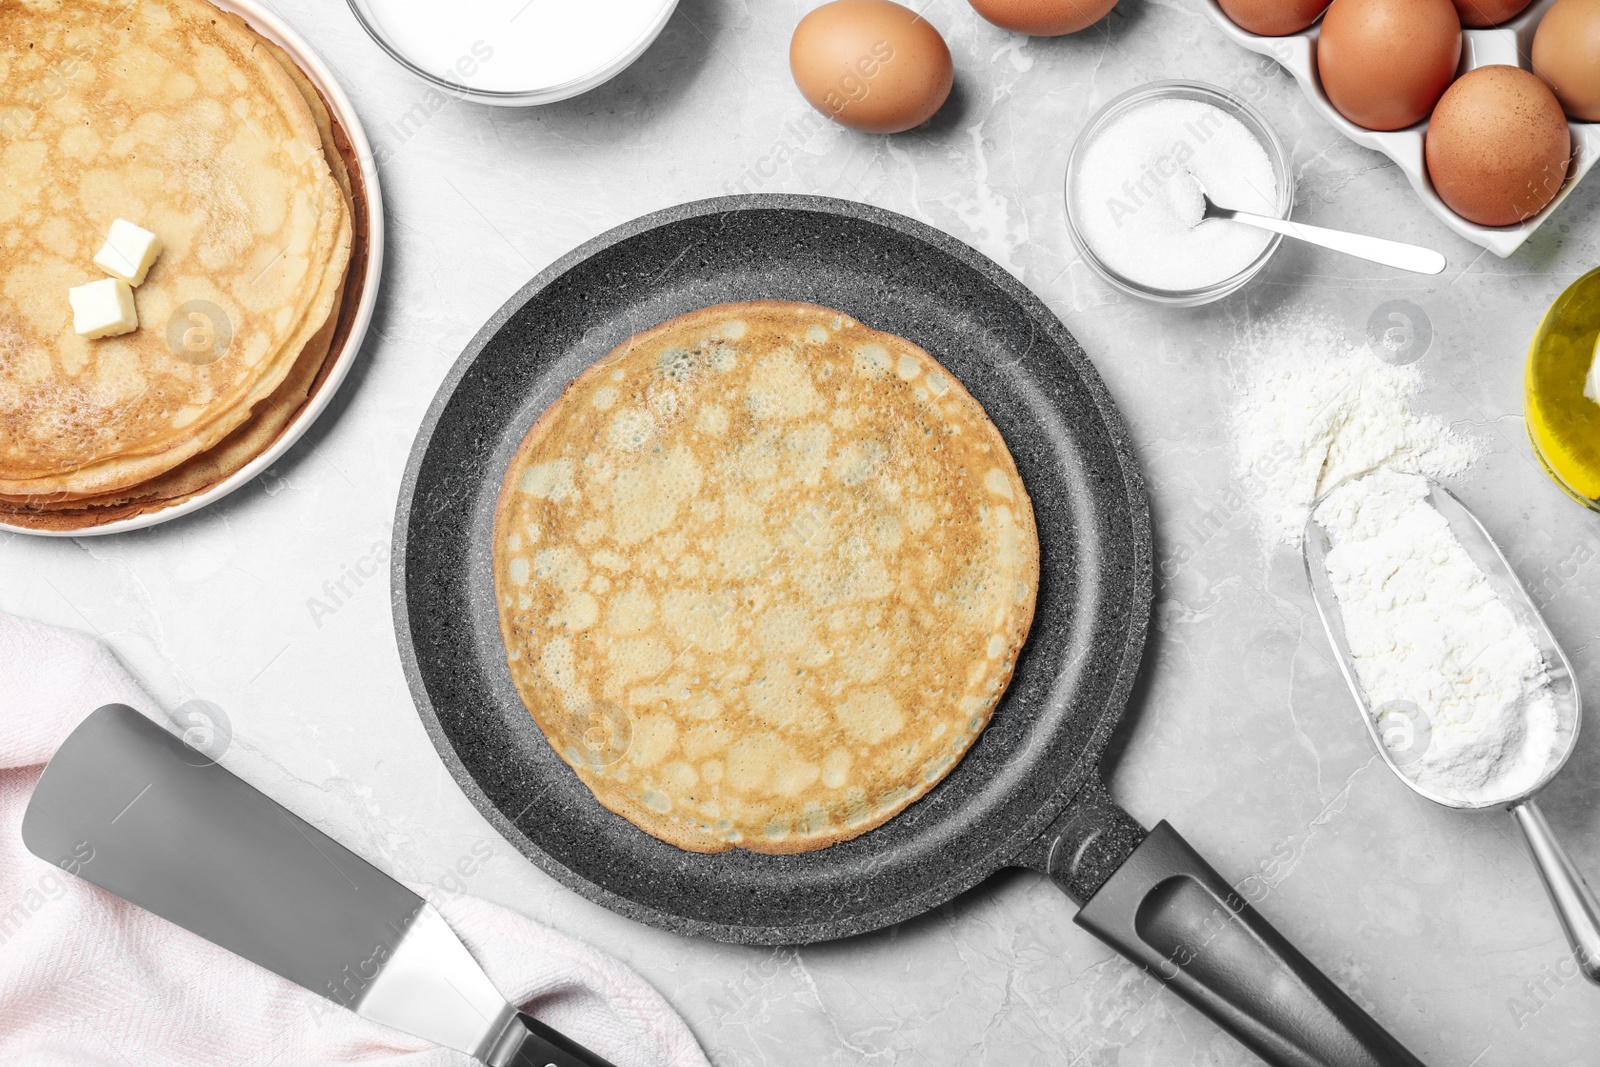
(181, 119)
(763, 574)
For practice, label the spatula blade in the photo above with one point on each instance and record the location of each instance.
(128, 806)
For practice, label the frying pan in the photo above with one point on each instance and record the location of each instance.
(1028, 793)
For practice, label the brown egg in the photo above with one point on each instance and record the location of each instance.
(1481, 13)
(1273, 18)
(1566, 53)
(1385, 63)
(1043, 18)
(1498, 146)
(871, 65)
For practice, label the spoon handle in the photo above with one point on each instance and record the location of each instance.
(1377, 249)
(1573, 899)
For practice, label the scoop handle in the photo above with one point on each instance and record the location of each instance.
(1570, 895)
(1167, 909)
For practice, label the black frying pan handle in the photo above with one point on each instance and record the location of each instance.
(527, 1042)
(1165, 908)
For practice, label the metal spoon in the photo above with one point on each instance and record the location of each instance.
(1377, 249)
(1572, 898)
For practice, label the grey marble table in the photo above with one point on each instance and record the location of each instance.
(1242, 734)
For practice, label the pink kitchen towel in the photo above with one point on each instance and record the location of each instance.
(87, 979)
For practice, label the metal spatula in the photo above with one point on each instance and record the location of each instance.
(1574, 902)
(131, 808)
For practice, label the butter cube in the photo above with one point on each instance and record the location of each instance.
(103, 308)
(128, 252)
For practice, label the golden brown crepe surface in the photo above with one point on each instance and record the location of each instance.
(763, 574)
(167, 113)
(269, 418)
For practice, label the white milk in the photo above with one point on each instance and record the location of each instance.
(517, 45)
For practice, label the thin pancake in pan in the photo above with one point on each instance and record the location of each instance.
(763, 574)
(169, 114)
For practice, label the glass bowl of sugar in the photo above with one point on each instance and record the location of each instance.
(1135, 206)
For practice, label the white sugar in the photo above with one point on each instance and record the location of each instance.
(1136, 201)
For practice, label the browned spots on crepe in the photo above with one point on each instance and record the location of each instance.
(71, 503)
(172, 115)
(763, 574)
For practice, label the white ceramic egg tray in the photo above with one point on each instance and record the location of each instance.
(1509, 43)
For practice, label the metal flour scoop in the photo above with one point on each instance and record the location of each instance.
(1574, 902)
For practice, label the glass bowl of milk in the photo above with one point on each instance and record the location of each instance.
(513, 52)
(1134, 191)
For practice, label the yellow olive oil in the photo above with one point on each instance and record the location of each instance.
(1563, 423)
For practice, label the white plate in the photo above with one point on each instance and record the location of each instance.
(270, 26)
(1508, 44)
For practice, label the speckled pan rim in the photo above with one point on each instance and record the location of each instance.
(269, 25)
(1008, 847)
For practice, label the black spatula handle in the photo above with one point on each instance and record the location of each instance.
(528, 1042)
(1167, 909)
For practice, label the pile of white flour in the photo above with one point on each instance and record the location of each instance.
(1458, 686)
(1430, 640)
(1315, 411)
